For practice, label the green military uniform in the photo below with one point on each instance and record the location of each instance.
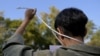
(14, 46)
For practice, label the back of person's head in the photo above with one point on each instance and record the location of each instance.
(72, 21)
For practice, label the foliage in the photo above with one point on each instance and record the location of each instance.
(95, 40)
(90, 27)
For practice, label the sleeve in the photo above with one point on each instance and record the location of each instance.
(13, 40)
(14, 46)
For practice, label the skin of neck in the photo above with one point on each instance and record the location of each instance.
(69, 42)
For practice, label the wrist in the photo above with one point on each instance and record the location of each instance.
(27, 19)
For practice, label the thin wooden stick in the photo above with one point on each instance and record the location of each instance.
(23, 8)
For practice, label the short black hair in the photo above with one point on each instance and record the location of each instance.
(72, 20)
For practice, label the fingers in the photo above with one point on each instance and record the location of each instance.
(30, 13)
(34, 11)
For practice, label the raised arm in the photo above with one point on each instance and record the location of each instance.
(29, 14)
(14, 45)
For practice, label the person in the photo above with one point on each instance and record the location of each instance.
(70, 21)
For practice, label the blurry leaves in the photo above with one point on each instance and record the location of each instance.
(1, 18)
(90, 27)
(95, 40)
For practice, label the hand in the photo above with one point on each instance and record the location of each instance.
(29, 14)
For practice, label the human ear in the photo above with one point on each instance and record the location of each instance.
(59, 29)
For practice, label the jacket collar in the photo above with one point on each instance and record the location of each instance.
(84, 48)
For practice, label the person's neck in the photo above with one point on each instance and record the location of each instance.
(70, 42)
